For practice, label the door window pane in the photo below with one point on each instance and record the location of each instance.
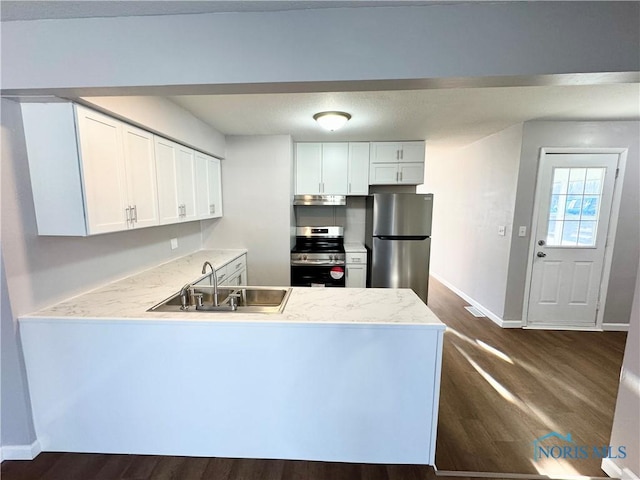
(587, 233)
(560, 180)
(570, 232)
(590, 207)
(574, 206)
(576, 180)
(593, 183)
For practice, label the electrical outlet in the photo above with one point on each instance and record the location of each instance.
(501, 230)
(174, 243)
(522, 231)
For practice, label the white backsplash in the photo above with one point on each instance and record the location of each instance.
(351, 217)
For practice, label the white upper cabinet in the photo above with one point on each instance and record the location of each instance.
(187, 183)
(208, 187)
(308, 168)
(176, 173)
(321, 168)
(167, 180)
(100, 139)
(335, 157)
(90, 173)
(338, 168)
(358, 168)
(394, 163)
(142, 187)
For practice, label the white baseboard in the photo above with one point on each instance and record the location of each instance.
(490, 315)
(610, 468)
(615, 327)
(20, 452)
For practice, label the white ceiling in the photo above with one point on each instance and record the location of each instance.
(444, 117)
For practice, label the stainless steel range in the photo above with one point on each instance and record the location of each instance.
(318, 258)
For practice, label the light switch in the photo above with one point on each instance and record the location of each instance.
(501, 230)
(174, 243)
(522, 231)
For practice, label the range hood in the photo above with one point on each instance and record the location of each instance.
(330, 200)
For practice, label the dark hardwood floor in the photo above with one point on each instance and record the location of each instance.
(501, 389)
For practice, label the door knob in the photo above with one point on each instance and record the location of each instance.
(541, 254)
(541, 242)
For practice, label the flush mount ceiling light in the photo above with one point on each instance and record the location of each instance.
(332, 120)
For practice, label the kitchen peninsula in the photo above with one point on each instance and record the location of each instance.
(347, 375)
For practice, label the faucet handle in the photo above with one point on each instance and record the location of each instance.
(198, 297)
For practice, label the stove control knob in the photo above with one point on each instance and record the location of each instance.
(304, 257)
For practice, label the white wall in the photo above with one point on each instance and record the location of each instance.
(625, 250)
(474, 191)
(437, 42)
(256, 204)
(162, 116)
(626, 420)
(15, 414)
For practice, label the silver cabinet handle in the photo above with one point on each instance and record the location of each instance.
(397, 154)
(400, 176)
(355, 259)
(349, 187)
(239, 265)
(212, 208)
(128, 214)
(397, 177)
(134, 209)
(401, 154)
(220, 277)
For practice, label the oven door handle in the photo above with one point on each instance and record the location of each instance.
(317, 263)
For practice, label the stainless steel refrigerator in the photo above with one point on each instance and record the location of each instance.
(398, 237)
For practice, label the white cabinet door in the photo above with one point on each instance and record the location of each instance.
(167, 180)
(186, 182)
(385, 152)
(175, 172)
(335, 164)
(412, 152)
(140, 166)
(383, 174)
(358, 168)
(103, 171)
(411, 173)
(356, 276)
(208, 188)
(214, 175)
(308, 168)
(202, 185)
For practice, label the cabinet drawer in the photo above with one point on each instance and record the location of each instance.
(237, 265)
(222, 274)
(356, 257)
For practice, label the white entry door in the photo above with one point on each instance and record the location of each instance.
(574, 196)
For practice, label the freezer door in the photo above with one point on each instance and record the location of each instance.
(402, 214)
(401, 264)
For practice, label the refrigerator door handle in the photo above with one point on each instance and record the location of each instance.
(402, 237)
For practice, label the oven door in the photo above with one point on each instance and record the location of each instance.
(317, 276)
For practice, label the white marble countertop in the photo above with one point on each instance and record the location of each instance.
(129, 299)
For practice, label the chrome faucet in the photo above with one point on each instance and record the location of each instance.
(214, 278)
